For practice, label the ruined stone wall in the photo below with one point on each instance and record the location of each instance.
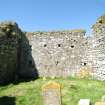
(64, 53)
(60, 53)
(15, 54)
(98, 48)
(27, 68)
(48, 54)
(9, 38)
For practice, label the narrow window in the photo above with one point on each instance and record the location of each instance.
(85, 63)
(59, 45)
(45, 45)
(72, 46)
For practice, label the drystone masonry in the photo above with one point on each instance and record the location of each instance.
(9, 38)
(15, 52)
(59, 53)
(27, 67)
(98, 48)
(64, 53)
(51, 93)
(51, 54)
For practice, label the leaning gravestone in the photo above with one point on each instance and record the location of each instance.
(100, 103)
(84, 102)
(51, 94)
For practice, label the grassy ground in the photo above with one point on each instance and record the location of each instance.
(29, 93)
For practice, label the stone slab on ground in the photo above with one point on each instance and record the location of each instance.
(103, 98)
(100, 103)
(84, 102)
(51, 93)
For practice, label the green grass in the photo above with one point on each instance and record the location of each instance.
(30, 93)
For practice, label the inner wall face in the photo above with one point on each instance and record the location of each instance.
(58, 53)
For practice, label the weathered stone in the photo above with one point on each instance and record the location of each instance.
(100, 103)
(15, 54)
(51, 94)
(103, 98)
(51, 54)
(9, 45)
(60, 53)
(98, 51)
(84, 102)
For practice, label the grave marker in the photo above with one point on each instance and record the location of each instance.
(103, 98)
(51, 94)
(84, 102)
(100, 103)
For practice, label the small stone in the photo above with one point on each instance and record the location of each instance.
(52, 77)
(84, 102)
(100, 103)
(44, 78)
(103, 98)
(13, 33)
(8, 29)
(51, 93)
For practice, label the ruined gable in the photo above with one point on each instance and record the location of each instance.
(51, 54)
(59, 53)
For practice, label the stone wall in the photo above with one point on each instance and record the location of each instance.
(15, 54)
(59, 53)
(27, 68)
(9, 38)
(49, 54)
(64, 53)
(98, 48)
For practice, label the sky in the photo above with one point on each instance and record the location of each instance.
(49, 15)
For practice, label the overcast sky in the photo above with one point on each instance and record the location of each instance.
(32, 15)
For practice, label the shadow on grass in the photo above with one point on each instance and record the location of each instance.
(5, 100)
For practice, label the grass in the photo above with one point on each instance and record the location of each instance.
(30, 93)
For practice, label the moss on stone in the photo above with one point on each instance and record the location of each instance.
(78, 30)
(9, 36)
(8, 29)
(103, 19)
(56, 31)
(100, 20)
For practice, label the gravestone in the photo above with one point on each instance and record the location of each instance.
(100, 103)
(84, 102)
(51, 93)
(103, 98)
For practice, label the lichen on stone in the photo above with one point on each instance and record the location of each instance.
(102, 19)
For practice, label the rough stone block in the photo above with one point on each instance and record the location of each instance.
(84, 102)
(100, 103)
(51, 93)
(103, 98)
